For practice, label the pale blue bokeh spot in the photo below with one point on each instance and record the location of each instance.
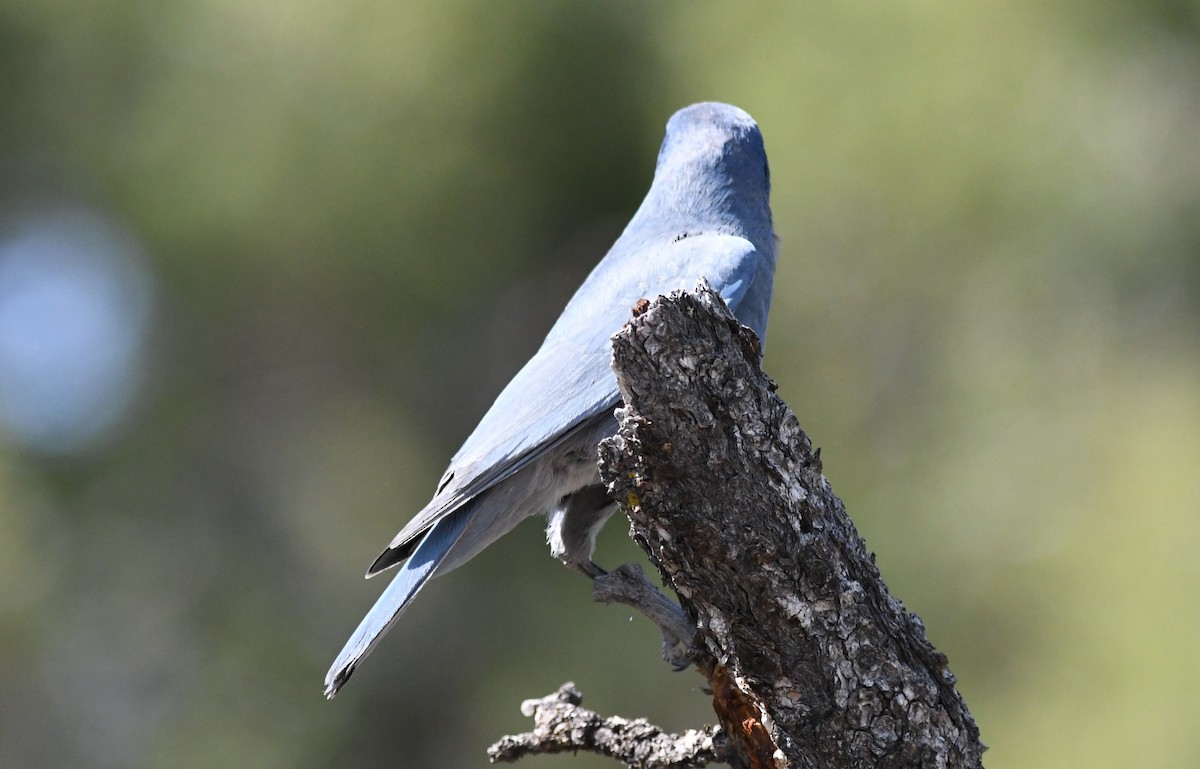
(74, 310)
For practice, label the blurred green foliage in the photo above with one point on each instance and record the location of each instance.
(362, 217)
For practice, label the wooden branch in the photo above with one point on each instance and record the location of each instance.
(812, 663)
(562, 726)
(628, 585)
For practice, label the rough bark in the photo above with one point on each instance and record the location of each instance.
(562, 726)
(811, 662)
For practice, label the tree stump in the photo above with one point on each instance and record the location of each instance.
(810, 661)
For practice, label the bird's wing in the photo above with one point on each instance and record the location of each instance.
(557, 390)
(570, 379)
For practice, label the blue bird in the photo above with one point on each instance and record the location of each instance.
(706, 215)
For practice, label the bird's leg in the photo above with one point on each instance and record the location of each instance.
(572, 527)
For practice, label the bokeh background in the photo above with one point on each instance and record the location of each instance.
(264, 264)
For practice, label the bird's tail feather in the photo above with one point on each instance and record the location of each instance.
(422, 565)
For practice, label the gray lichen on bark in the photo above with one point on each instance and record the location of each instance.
(561, 725)
(812, 663)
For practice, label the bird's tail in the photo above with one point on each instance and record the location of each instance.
(422, 565)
